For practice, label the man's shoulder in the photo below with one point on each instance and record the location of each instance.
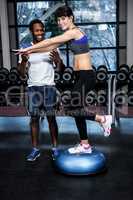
(25, 45)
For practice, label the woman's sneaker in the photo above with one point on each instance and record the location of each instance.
(35, 153)
(80, 148)
(106, 125)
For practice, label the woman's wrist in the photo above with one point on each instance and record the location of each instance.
(28, 48)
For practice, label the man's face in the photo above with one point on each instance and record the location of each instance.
(38, 32)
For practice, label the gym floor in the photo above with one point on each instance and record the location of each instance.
(20, 180)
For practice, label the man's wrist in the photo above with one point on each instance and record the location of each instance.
(24, 60)
(60, 62)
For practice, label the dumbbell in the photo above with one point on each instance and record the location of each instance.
(90, 98)
(13, 95)
(67, 76)
(66, 97)
(4, 70)
(102, 73)
(2, 99)
(13, 69)
(3, 74)
(23, 80)
(130, 98)
(120, 98)
(57, 76)
(68, 69)
(13, 78)
(57, 79)
(122, 74)
(131, 68)
(4, 79)
(102, 97)
(124, 67)
(130, 77)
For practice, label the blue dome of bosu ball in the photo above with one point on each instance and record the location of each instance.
(79, 164)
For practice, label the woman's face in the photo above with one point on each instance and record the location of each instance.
(65, 22)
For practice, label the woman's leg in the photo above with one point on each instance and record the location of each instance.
(84, 146)
(86, 83)
(106, 122)
(77, 101)
(82, 128)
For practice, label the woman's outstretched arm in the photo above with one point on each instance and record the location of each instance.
(57, 40)
(44, 49)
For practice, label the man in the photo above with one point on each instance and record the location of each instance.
(41, 87)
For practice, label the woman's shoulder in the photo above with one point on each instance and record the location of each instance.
(71, 34)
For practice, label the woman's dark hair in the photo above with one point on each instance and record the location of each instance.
(64, 11)
(35, 21)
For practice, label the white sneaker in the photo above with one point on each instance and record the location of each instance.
(80, 148)
(106, 125)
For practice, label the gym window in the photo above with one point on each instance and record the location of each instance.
(104, 22)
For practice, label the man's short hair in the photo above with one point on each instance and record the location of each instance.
(35, 21)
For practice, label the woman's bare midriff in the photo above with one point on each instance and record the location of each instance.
(82, 62)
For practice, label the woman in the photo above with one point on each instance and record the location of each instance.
(83, 70)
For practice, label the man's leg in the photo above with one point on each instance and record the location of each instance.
(33, 107)
(53, 129)
(34, 126)
(49, 104)
(35, 152)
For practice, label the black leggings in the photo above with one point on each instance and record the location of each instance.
(85, 82)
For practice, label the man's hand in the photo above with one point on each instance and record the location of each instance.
(22, 67)
(55, 57)
(25, 57)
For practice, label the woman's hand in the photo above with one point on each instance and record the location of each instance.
(25, 51)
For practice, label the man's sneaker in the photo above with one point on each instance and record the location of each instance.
(54, 151)
(35, 153)
(80, 148)
(106, 125)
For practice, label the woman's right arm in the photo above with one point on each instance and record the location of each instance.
(57, 40)
(44, 49)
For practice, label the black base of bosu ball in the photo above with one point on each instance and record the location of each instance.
(79, 164)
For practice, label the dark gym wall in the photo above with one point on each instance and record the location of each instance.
(12, 31)
(0, 50)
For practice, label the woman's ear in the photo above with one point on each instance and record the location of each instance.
(72, 18)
